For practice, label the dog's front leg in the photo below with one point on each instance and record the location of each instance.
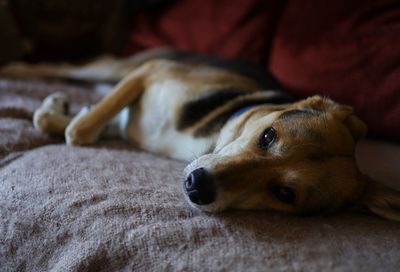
(86, 126)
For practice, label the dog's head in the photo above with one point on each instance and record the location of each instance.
(295, 159)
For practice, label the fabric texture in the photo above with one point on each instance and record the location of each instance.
(109, 207)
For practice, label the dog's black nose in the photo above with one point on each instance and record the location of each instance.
(199, 186)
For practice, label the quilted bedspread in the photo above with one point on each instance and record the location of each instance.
(110, 207)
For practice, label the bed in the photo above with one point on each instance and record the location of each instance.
(109, 207)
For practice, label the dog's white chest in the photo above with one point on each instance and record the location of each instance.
(151, 123)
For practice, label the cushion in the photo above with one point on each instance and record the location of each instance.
(347, 50)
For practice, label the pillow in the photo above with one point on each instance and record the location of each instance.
(347, 50)
(241, 30)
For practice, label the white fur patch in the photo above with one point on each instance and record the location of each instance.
(152, 123)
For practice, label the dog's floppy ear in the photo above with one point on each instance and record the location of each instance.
(345, 113)
(357, 128)
(380, 200)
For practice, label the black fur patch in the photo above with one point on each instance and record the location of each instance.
(318, 157)
(218, 122)
(194, 111)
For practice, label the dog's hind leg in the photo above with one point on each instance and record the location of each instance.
(101, 69)
(86, 128)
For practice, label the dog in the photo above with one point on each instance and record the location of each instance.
(249, 145)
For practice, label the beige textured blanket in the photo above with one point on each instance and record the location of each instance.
(111, 208)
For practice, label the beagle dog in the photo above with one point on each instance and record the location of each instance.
(250, 145)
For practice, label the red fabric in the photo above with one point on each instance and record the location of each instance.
(348, 50)
(229, 29)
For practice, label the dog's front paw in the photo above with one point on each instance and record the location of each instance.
(52, 116)
(77, 133)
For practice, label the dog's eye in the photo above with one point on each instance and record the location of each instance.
(284, 194)
(267, 137)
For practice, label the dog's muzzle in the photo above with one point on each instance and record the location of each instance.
(199, 186)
